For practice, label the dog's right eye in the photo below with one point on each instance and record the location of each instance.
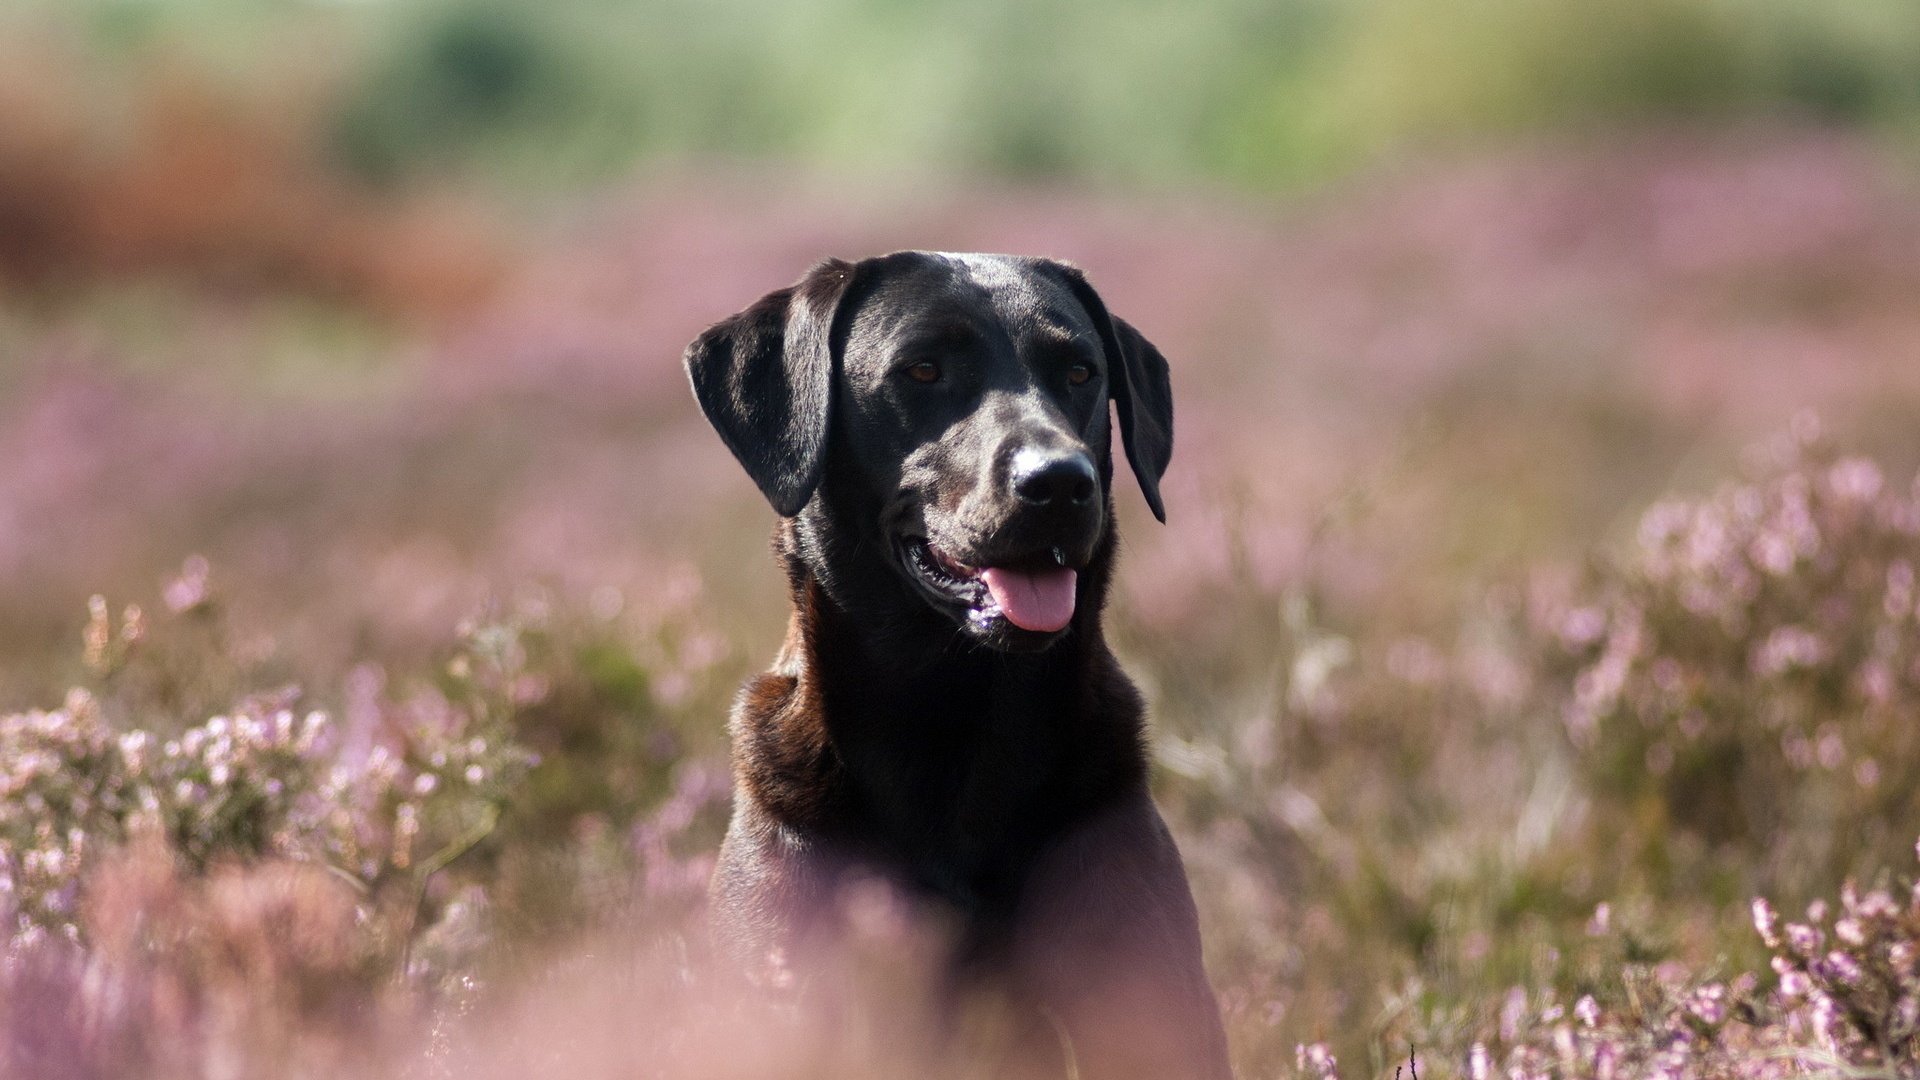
(925, 371)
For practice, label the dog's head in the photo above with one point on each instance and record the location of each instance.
(949, 413)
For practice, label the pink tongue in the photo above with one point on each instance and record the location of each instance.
(1040, 600)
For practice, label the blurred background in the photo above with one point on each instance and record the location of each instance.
(1530, 596)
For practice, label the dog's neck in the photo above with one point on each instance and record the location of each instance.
(913, 733)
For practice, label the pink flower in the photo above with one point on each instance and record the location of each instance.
(1767, 922)
(1804, 940)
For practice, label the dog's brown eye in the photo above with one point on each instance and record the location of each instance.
(924, 371)
(1078, 374)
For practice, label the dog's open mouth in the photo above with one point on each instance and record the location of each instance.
(1035, 594)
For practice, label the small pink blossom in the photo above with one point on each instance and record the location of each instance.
(1767, 922)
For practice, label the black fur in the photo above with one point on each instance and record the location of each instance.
(909, 727)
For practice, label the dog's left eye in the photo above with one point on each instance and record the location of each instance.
(1078, 374)
(924, 371)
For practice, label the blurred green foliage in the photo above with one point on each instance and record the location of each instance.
(1252, 93)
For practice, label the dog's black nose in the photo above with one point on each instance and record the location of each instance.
(1053, 479)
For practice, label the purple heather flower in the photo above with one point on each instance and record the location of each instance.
(1855, 479)
(1767, 922)
(1878, 904)
(1803, 939)
(1839, 967)
(1605, 1061)
(1317, 1061)
(1602, 921)
(1709, 1004)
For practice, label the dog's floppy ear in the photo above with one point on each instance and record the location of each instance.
(1141, 387)
(765, 380)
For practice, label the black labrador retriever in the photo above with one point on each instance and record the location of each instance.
(945, 713)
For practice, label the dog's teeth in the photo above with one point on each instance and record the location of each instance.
(1059, 557)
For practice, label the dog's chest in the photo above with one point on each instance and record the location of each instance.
(958, 809)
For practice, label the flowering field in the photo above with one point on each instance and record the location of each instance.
(1533, 645)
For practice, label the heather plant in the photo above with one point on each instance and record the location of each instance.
(1440, 892)
(1661, 1022)
(622, 813)
(1841, 999)
(390, 799)
(1391, 396)
(1748, 675)
(238, 787)
(282, 874)
(266, 968)
(243, 890)
(1849, 978)
(196, 665)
